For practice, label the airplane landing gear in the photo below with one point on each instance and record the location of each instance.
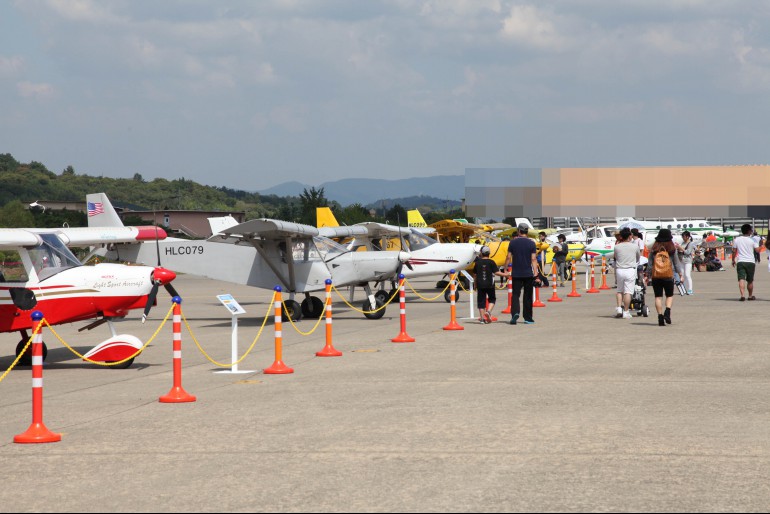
(26, 359)
(312, 307)
(376, 312)
(291, 310)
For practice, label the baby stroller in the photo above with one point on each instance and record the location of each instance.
(640, 288)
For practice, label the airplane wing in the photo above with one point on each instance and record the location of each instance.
(264, 228)
(346, 231)
(14, 238)
(86, 236)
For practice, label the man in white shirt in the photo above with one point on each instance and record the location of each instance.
(743, 252)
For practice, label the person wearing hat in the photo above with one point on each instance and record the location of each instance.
(522, 259)
(661, 273)
(486, 270)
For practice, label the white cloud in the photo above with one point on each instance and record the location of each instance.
(530, 26)
(11, 66)
(36, 91)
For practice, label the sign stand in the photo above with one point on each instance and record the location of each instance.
(472, 297)
(235, 310)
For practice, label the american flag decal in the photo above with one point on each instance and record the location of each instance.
(95, 208)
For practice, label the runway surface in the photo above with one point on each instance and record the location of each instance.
(578, 412)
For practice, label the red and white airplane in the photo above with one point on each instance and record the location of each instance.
(50, 279)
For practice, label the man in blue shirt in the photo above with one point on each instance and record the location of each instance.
(522, 256)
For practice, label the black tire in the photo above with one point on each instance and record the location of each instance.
(291, 310)
(26, 360)
(124, 365)
(367, 306)
(312, 307)
(441, 284)
(463, 280)
(382, 296)
(646, 311)
(448, 296)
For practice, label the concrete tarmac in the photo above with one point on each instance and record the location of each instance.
(578, 412)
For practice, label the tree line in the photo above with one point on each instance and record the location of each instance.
(23, 182)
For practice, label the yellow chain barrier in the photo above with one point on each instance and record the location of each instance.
(392, 297)
(323, 312)
(116, 363)
(449, 282)
(253, 343)
(18, 357)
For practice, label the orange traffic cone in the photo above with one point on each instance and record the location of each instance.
(574, 293)
(555, 297)
(37, 431)
(453, 325)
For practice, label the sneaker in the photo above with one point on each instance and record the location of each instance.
(487, 317)
(618, 312)
(514, 318)
(529, 321)
(626, 315)
(689, 291)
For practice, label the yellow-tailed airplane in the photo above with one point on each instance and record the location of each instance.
(452, 231)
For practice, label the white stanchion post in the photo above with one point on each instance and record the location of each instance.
(472, 297)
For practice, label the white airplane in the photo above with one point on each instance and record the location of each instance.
(262, 253)
(50, 279)
(427, 256)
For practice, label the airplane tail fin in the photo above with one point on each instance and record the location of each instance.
(325, 217)
(101, 213)
(415, 219)
(525, 221)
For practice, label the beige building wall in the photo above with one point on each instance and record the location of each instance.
(650, 191)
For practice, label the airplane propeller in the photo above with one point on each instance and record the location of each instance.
(159, 277)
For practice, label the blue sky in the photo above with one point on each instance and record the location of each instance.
(249, 94)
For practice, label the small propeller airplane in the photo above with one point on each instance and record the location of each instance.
(262, 253)
(50, 279)
(427, 257)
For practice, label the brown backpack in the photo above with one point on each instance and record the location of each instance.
(661, 265)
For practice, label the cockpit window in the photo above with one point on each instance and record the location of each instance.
(417, 240)
(51, 257)
(327, 248)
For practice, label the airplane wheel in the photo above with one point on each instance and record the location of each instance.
(441, 284)
(367, 306)
(26, 360)
(291, 310)
(125, 365)
(464, 281)
(448, 296)
(312, 307)
(382, 296)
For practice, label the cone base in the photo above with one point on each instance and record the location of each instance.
(177, 395)
(329, 351)
(403, 337)
(555, 299)
(278, 368)
(507, 310)
(574, 295)
(593, 291)
(37, 433)
(454, 326)
(604, 287)
(538, 304)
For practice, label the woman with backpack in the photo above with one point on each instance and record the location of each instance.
(660, 271)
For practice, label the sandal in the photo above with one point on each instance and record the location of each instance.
(752, 297)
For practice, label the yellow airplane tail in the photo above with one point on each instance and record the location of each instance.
(325, 218)
(415, 219)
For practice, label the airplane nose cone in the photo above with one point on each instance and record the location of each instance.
(404, 256)
(163, 276)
